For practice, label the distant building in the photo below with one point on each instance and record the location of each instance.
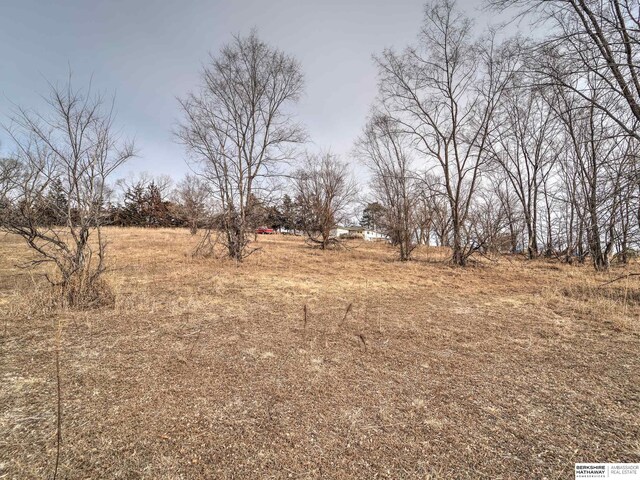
(358, 232)
(372, 236)
(340, 232)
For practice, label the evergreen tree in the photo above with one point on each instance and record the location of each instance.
(57, 202)
(288, 213)
(372, 216)
(134, 209)
(156, 209)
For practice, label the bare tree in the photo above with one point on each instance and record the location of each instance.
(627, 201)
(238, 128)
(597, 37)
(324, 191)
(443, 93)
(523, 144)
(488, 223)
(74, 145)
(10, 172)
(510, 204)
(192, 195)
(425, 220)
(594, 168)
(384, 149)
(433, 209)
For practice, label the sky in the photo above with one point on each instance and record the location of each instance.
(149, 53)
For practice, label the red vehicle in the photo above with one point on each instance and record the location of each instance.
(265, 231)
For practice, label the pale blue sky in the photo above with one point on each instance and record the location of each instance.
(149, 52)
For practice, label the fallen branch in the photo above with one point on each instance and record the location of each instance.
(619, 278)
(304, 327)
(363, 340)
(346, 313)
(194, 342)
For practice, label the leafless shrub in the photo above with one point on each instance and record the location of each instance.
(193, 195)
(206, 247)
(74, 148)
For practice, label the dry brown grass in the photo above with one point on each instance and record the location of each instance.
(205, 369)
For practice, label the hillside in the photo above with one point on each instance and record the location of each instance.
(209, 369)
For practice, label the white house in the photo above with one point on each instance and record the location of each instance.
(360, 232)
(372, 235)
(339, 231)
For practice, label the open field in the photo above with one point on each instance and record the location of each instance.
(206, 369)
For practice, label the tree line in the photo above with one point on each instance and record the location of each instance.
(476, 141)
(529, 146)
